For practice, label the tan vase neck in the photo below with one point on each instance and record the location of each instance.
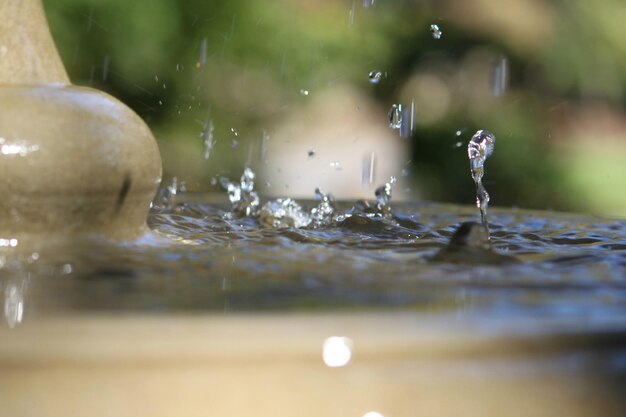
(27, 52)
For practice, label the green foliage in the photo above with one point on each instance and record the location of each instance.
(257, 56)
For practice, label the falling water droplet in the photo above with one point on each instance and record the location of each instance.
(105, 68)
(368, 170)
(374, 77)
(478, 150)
(304, 92)
(336, 165)
(265, 139)
(500, 77)
(234, 131)
(435, 31)
(203, 52)
(351, 13)
(311, 153)
(207, 138)
(395, 116)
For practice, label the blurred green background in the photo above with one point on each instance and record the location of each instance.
(243, 66)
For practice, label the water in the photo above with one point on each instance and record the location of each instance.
(435, 31)
(396, 116)
(479, 148)
(374, 77)
(207, 138)
(570, 268)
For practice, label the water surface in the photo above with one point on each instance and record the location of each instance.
(553, 266)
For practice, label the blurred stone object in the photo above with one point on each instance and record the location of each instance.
(73, 160)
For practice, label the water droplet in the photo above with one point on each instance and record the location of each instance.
(459, 132)
(336, 165)
(304, 92)
(374, 77)
(311, 153)
(395, 116)
(160, 102)
(207, 138)
(478, 150)
(156, 78)
(368, 169)
(435, 31)
(105, 68)
(234, 131)
(500, 77)
(265, 139)
(458, 145)
(203, 53)
(351, 13)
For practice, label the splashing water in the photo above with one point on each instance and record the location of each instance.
(286, 212)
(435, 31)
(322, 215)
(242, 196)
(166, 196)
(478, 150)
(383, 195)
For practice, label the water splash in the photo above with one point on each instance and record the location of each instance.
(284, 212)
(244, 199)
(435, 31)
(479, 148)
(383, 195)
(322, 215)
(165, 198)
